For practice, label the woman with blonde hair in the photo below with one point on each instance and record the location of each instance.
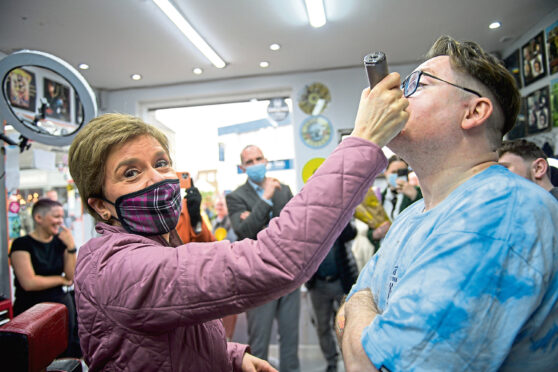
(147, 302)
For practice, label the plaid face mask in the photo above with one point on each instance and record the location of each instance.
(150, 211)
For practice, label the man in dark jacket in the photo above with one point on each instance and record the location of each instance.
(251, 206)
(335, 277)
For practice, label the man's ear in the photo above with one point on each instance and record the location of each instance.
(539, 167)
(99, 206)
(478, 112)
(242, 168)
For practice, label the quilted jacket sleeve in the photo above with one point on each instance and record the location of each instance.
(152, 288)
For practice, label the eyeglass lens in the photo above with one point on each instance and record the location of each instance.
(411, 82)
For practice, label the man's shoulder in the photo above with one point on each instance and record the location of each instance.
(239, 190)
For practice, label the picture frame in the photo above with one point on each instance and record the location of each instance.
(22, 89)
(533, 60)
(513, 64)
(554, 101)
(58, 98)
(538, 111)
(552, 47)
(519, 130)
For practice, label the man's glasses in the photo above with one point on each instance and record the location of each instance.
(410, 84)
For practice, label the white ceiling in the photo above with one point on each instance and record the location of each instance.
(120, 37)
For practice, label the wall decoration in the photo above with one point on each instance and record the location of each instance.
(316, 131)
(552, 47)
(538, 111)
(519, 130)
(554, 101)
(533, 59)
(314, 99)
(58, 98)
(311, 167)
(512, 64)
(21, 89)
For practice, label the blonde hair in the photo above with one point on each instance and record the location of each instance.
(93, 144)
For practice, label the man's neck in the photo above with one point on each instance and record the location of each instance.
(545, 183)
(439, 183)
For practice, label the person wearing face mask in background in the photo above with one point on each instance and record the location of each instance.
(398, 195)
(251, 206)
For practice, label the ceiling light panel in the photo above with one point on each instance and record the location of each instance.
(184, 26)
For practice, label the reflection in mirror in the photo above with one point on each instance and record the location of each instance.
(44, 101)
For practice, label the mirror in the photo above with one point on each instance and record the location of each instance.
(44, 98)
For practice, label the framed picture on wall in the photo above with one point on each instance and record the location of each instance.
(519, 130)
(22, 89)
(533, 59)
(512, 64)
(58, 98)
(554, 101)
(552, 47)
(538, 111)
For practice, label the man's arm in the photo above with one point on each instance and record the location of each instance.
(250, 226)
(353, 317)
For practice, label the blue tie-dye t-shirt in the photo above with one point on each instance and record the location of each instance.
(470, 285)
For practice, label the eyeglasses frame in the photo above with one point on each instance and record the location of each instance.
(421, 73)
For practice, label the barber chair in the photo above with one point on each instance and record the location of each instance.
(31, 341)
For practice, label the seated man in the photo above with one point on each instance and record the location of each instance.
(527, 160)
(467, 278)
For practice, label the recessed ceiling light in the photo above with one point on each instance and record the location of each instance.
(197, 71)
(264, 64)
(136, 77)
(83, 66)
(275, 46)
(494, 25)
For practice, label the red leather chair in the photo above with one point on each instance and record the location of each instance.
(32, 340)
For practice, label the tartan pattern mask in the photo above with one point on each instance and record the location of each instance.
(150, 211)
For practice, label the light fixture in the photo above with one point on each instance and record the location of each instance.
(494, 25)
(264, 64)
(83, 66)
(174, 15)
(197, 71)
(316, 12)
(136, 76)
(275, 46)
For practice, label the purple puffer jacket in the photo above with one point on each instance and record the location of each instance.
(146, 305)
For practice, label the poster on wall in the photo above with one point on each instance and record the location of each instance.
(22, 89)
(58, 99)
(533, 59)
(554, 101)
(538, 111)
(552, 47)
(519, 130)
(512, 64)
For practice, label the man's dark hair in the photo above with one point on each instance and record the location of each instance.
(43, 205)
(395, 158)
(468, 57)
(523, 148)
